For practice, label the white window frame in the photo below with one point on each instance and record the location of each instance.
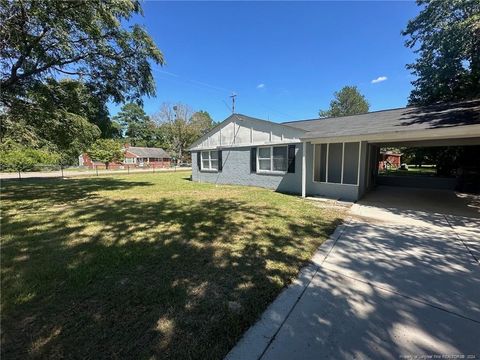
(326, 163)
(271, 171)
(202, 168)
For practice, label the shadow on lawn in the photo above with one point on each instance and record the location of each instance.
(154, 280)
(58, 191)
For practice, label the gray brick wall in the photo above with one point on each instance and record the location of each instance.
(236, 170)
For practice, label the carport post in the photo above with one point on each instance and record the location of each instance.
(304, 169)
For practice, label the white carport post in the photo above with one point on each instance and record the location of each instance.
(304, 169)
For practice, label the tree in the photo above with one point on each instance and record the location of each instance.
(446, 37)
(181, 126)
(133, 121)
(62, 115)
(82, 39)
(348, 101)
(15, 157)
(175, 123)
(106, 151)
(202, 122)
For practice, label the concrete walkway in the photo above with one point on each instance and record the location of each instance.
(400, 279)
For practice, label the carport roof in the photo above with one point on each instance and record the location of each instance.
(441, 116)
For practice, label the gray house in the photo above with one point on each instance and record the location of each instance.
(332, 157)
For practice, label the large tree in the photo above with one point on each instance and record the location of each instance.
(84, 39)
(202, 122)
(347, 101)
(446, 37)
(62, 115)
(180, 126)
(138, 129)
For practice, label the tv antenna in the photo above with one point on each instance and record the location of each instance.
(233, 102)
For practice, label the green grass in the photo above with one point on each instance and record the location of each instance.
(145, 265)
(426, 170)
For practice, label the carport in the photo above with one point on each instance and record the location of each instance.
(431, 182)
(327, 142)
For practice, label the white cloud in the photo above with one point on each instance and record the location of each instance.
(260, 86)
(379, 79)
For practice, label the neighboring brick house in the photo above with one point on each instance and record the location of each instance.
(389, 160)
(134, 157)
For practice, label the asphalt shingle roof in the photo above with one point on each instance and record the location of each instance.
(404, 119)
(148, 152)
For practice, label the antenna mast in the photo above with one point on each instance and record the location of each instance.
(233, 102)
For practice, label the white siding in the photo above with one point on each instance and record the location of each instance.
(242, 132)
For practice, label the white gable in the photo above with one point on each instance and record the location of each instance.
(238, 130)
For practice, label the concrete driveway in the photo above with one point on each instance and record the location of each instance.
(400, 279)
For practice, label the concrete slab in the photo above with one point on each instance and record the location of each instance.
(342, 318)
(427, 263)
(423, 202)
(468, 231)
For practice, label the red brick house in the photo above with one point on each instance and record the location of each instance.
(389, 160)
(134, 157)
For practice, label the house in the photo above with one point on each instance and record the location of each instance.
(134, 156)
(389, 160)
(331, 157)
(146, 156)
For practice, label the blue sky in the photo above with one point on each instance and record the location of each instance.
(283, 59)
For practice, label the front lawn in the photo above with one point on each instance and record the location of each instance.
(145, 265)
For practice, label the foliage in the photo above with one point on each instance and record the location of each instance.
(15, 157)
(447, 159)
(202, 122)
(106, 151)
(348, 101)
(181, 126)
(137, 126)
(62, 115)
(446, 36)
(83, 39)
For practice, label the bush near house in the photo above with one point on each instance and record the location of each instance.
(15, 157)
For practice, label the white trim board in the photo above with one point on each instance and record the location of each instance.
(467, 131)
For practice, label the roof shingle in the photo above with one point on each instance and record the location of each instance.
(404, 119)
(147, 152)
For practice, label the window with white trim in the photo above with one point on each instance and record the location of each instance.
(209, 160)
(272, 159)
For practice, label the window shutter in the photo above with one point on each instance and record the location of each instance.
(220, 162)
(291, 158)
(253, 159)
(199, 161)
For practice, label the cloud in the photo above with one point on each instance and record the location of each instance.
(261, 86)
(379, 79)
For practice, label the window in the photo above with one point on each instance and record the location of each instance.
(335, 154)
(209, 160)
(272, 159)
(264, 159)
(336, 163)
(350, 163)
(129, 160)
